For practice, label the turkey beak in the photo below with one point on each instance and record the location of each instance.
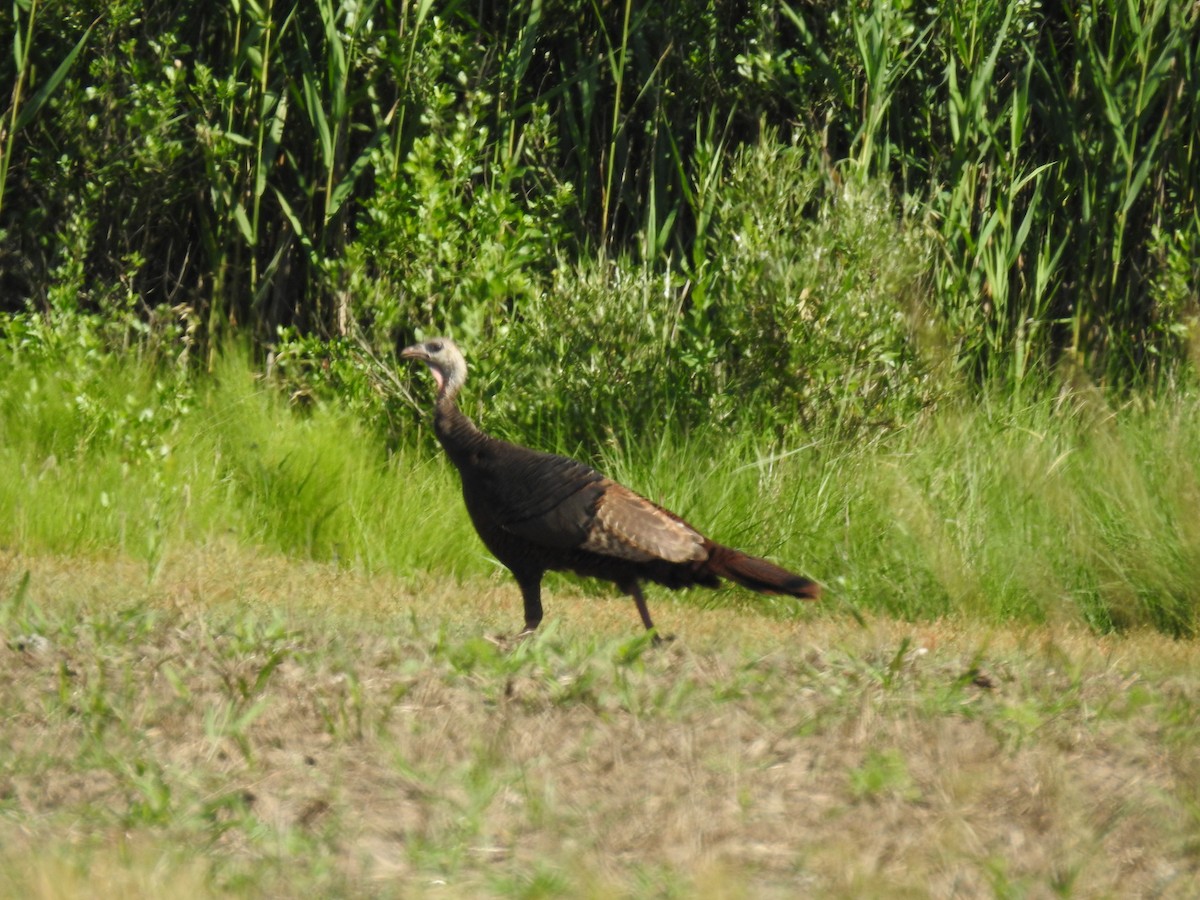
(416, 351)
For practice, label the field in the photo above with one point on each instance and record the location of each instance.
(246, 724)
(905, 297)
(250, 651)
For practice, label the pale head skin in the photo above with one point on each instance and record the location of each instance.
(445, 361)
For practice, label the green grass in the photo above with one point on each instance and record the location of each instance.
(1062, 508)
(118, 460)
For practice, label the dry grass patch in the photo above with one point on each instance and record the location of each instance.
(246, 724)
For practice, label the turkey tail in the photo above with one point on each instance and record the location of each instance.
(760, 575)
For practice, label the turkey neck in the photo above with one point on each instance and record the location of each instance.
(457, 434)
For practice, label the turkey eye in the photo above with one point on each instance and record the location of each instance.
(435, 346)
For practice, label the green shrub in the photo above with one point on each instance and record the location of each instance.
(815, 296)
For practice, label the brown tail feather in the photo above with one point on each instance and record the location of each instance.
(760, 575)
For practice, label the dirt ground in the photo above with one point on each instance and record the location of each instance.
(236, 724)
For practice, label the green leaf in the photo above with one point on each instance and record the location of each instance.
(297, 226)
(243, 223)
(42, 94)
(345, 187)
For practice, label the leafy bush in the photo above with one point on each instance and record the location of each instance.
(448, 244)
(803, 315)
(815, 296)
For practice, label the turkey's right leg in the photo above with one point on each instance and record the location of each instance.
(634, 590)
(531, 593)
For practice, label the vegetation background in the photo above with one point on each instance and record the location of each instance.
(904, 295)
(730, 188)
(793, 234)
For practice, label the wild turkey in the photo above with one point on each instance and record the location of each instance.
(538, 512)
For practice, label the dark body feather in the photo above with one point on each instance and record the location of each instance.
(538, 512)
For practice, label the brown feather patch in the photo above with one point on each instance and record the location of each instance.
(630, 527)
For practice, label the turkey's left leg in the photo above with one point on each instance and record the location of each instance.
(531, 594)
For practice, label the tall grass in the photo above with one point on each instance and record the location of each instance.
(125, 459)
(1062, 142)
(1058, 507)
(27, 99)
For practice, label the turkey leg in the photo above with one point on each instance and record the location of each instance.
(531, 593)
